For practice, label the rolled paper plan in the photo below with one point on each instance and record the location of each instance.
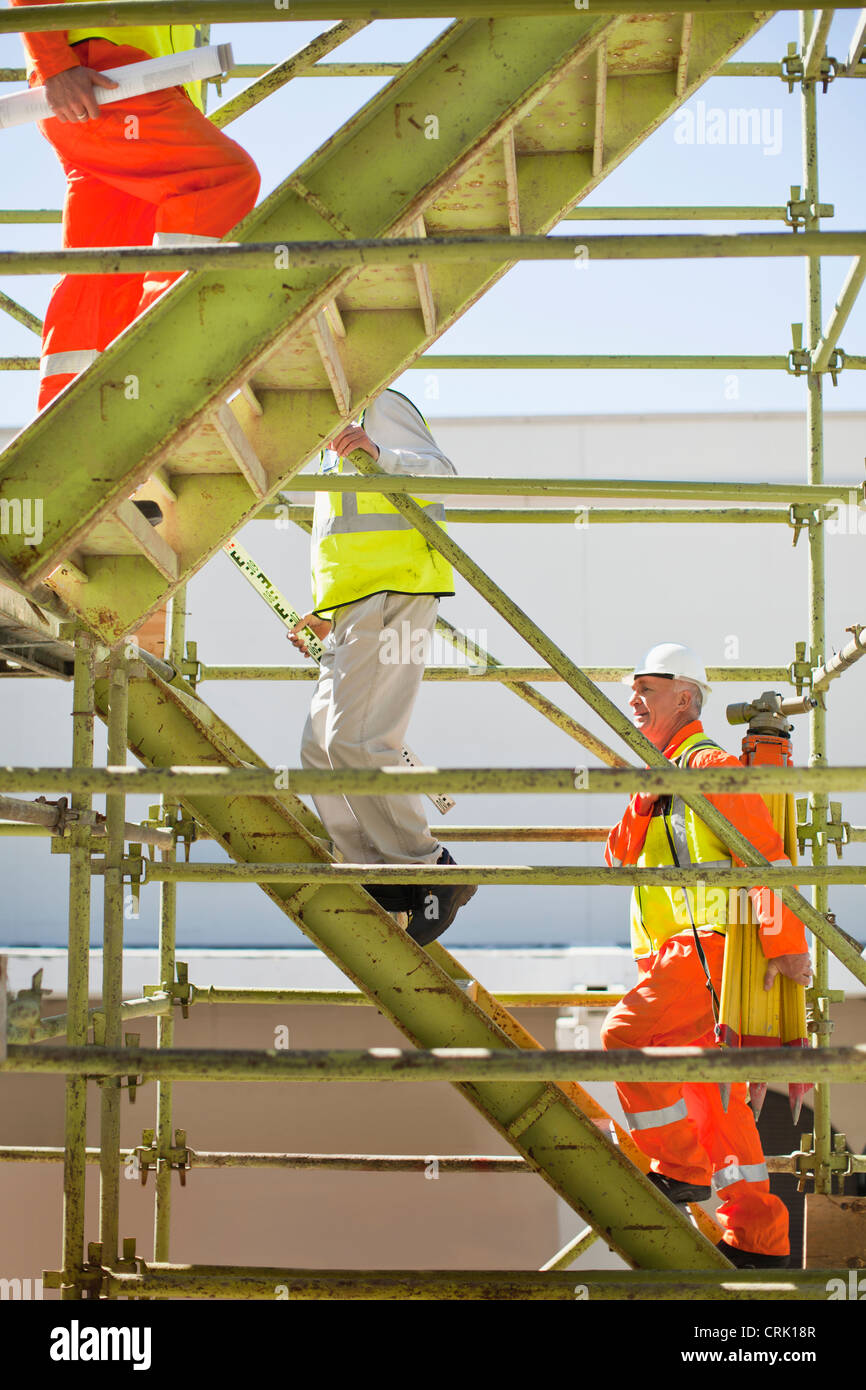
(134, 80)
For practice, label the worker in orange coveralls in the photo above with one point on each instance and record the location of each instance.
(684, 1128)
(147, 170)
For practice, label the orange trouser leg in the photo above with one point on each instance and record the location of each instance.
(667, 1008)
(156, 150)
(752, 1217)
(682, 1128)
(86, 312)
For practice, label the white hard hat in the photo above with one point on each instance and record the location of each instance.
(673, 660)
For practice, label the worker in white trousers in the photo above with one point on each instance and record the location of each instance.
(376, 591)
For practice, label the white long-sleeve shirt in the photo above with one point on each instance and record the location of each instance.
(405, 442)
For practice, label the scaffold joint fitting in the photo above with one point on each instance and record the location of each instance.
(127, 1263)
(827, 72)
(823, 827)
(792, 67)
(181, 991)
(24, 1011)
(148, 1155)
(132, 1082)
(800, 670)
(190, 666)
(838, 1165)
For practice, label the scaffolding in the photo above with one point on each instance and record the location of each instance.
(416, 262)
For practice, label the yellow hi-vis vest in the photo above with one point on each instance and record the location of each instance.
(361, 545)
(658, 913)
(156, 40)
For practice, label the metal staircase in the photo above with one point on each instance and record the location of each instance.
(427, 995)
(499, 126)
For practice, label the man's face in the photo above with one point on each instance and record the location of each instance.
(660, 707)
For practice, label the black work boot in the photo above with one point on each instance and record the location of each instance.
(436, 906)
(396, 898)
(680, 1193)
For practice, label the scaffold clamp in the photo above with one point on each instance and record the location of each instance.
(132, 1082)
(181, 991)
(177, 1156)
(798, 210)
(24, 1012)
(836, 364)
(792, 67)
(800, 670)
(799, 359)
(838, 1165)
(190, 667)
(828, 71)
(127, 1262)
(801, 515)
(822, 827)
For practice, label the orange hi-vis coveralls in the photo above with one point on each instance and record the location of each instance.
(151, 170)
(683, 1128)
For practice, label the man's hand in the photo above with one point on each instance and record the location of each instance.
(794, 967)
(71, 96)
(642, 805)
(320, 627)
(353, 437)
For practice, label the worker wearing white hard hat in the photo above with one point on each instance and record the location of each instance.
(673, 662)
(678, 936)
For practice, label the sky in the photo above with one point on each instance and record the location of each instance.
(727, 306)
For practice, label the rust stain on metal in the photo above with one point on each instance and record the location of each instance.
(203, 294)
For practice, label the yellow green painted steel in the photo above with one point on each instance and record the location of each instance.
(214, 1281)
(528, 66)
(78, 975)
(489, 1069)
(253, 11)
(258, 781)
(108, 1024)
(295, 254)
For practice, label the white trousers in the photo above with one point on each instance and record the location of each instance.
(360, 711)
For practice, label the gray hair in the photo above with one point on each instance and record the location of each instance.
(697, 697)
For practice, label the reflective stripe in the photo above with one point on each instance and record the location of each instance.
(61, 363)
(183, 239)
(748, 1172)
(676, 836)
(373, 521)
(677, 821)
(655, 1119)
